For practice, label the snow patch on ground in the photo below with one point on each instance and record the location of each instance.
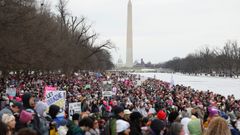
(223, 86)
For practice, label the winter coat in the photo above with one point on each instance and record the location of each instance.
(26, 105)
(73, 129)
(6, 110)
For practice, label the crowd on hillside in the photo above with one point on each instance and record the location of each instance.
(135, 107)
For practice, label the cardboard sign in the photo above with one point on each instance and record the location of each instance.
(56, 98)
(74, 108)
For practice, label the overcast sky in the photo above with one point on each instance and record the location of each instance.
(162, 29)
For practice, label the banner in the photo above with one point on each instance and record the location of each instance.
(48, 89)
(74, 108)
(11, 92)
(57, 98)
(107, 93)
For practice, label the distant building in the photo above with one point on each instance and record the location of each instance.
(120, 62)
(142, 62)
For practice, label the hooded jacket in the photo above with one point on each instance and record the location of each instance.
(26, 105)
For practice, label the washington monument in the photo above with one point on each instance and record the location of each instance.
(129, 57)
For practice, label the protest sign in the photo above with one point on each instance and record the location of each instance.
(56, 98)
(74, 108)
(11, 92)
(107, 93)
(48, 89)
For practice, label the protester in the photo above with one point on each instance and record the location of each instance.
(145, 126)
(218, 126)
(41, 109)
(238, 121)
(94, 130)
(161, 115)
(9, 120)
(3, 128)
(56, 122)
(185, 120)
(127, 114)
(73, 126)
(232, 120)
(122, 127)
(118, 114)
(27, 131)
(157, 127)
(29, 105)
(86, 124)
(212, 112)
(76, 118)
(135, 123)
(173, 117)
(147, 97)
(12, 109)
(195, 124)
(176, 129)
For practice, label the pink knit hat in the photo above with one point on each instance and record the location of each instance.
(25, 117)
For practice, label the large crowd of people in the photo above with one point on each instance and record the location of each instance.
(134, 107)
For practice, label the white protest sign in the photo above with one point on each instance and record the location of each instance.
(11, 92)
(56, 98)
(74, 108)
(107, 93)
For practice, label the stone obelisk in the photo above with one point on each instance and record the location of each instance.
(129, 57)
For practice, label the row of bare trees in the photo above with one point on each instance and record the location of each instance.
(34, 38)
(224, 61)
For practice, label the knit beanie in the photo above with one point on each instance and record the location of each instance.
(161, 115)
(25, 117)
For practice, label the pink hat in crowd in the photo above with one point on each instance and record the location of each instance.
(25, 117)
(105, 102)
(18, 99)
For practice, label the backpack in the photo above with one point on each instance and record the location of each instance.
(110, 127)
(44, 126)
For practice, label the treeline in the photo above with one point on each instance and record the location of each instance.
(32, 37)
(224, 61)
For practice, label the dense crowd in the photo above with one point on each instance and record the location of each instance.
(136, 106)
